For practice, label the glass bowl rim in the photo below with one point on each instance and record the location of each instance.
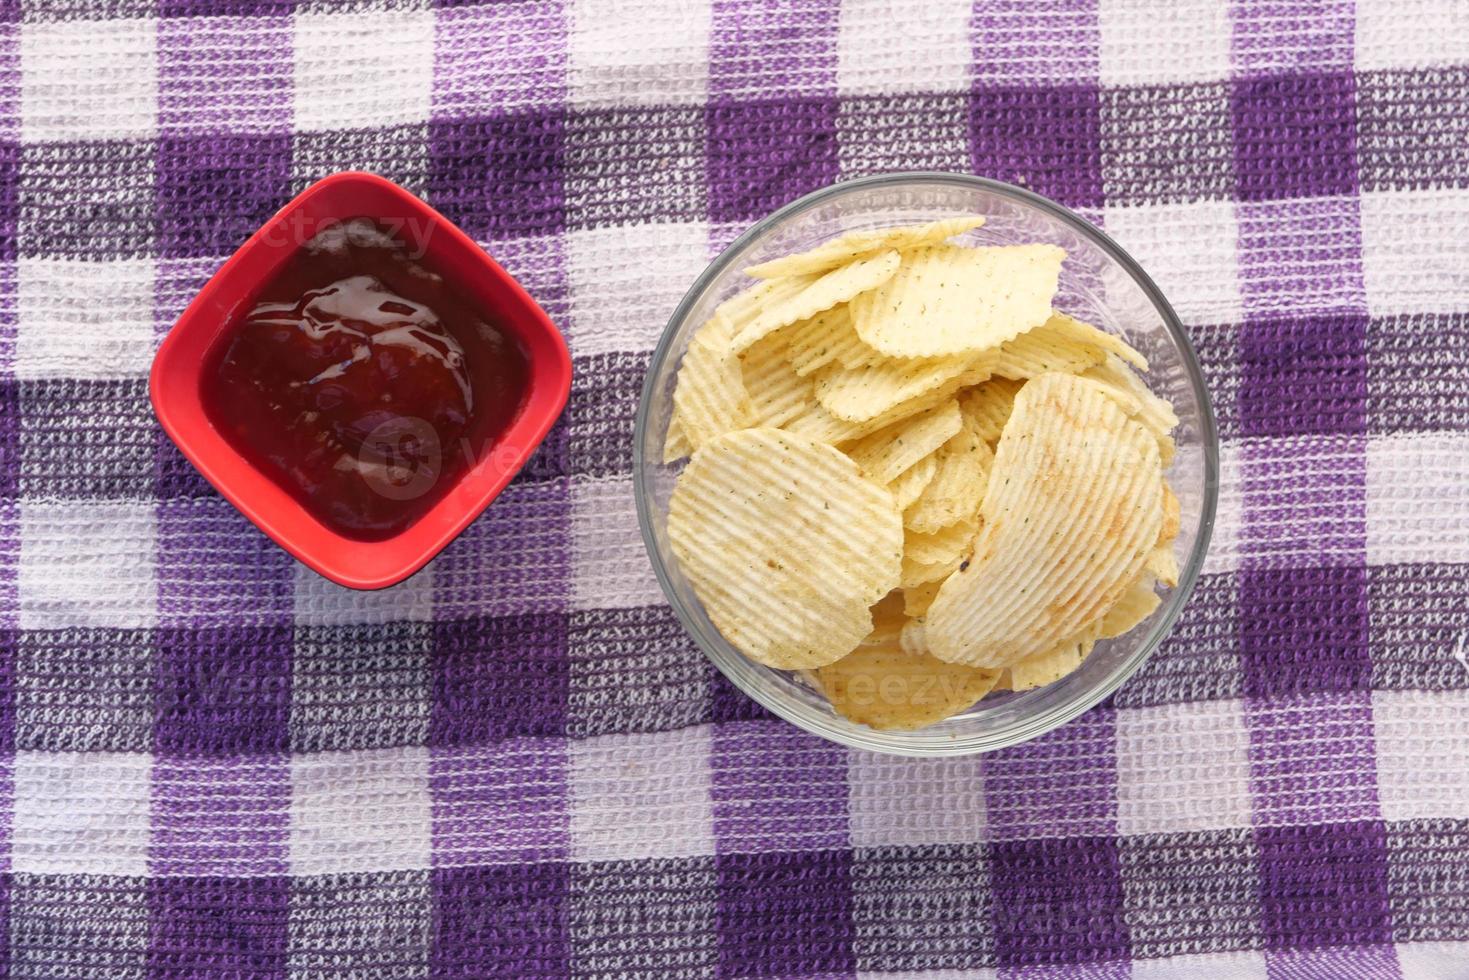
(1055, 716)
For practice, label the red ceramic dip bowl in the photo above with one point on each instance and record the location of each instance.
(317, 353)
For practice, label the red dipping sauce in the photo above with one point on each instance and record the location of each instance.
(362, 384)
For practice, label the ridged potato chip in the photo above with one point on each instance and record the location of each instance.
(837, 286)
(886, 688)
(675, 443)
(1047, 668)
(1163, 564)
(952, 300)
(961, 474)
(823, 339)
(888, 620)
(710, 398)
(1153, 412)
(988, 406)
(942, 546)
(911, 483)
(1073, 508)
(917, 599)
(886, 454)
(1136, 605)
(862, 393)
(856, 244)
(777, 394)
(1062, 343)
(786, 544)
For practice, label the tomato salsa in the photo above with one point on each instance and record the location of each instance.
(361, 382)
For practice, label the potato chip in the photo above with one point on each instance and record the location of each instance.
(1136, 605)
(988, 406)
(887, 453)
(941, 546)
(866, 392)
(888, 620)
(917, 599)
(856, 244)
(838, 286)
(910, 638)
(910, 484)
(710, 398)
(1162, 564)
(785, 543)
(961, 474)
(1047, 668)
(917, 573)
(1072, 509)
(1171, 515)
(823, 339)
(777, 394)
(888, 689)
(1154, 412)
(952, 300)
(675, 443)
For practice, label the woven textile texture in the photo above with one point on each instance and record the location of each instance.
(215, 764)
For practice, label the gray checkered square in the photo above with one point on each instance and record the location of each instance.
(86, 438)
(92, 200)
(631, 164)
(1200, 659)
(882, 133)
(78, 927)
(922, 908)
(601, 412)
(1413, 128)
(360, 925)
(35, 11)
(634, 670)
(1417, 372)
(1419, 615)
(1167, 144)
(399, 153)
(84, 690)
(1191, 893)
(360, 687)
(1428, 879)
(645, 918)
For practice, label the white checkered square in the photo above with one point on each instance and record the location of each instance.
(1190, 252)
(497, 56)
(643, 52)
(320, 602)
(89, 80)
(626, 280)
(900, 802)
(1442, 959)
(84, 319)
(611, 565)
(1157, 42)
(1418, 498)
(81, 813)
(1203, 966)
(367, 68)
(885, 47)
(1422, 753)
(360, 811)
(1414, 255)
(1183, 767)
(1411, 33)
(641, 796)
(88, 563)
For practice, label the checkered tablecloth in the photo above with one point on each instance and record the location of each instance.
(216, 764)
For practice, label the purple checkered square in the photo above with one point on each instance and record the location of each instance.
(9, 563)
(217, 927)
(1304, 630)
(500, 803)
(213, 192)
(1303, 375)
(500, 176)
(1057, 901)
(1035, 42)
(514, 560)
(223, 690)
(776, 789)
(1312, 964)
(1312, 759)
(220, 816)
(765, 154)
(1305, 502)
(1324, 885)
(499, 677)
(1292, 36)
(786, 914)
(772, 48)
(1063, 783)
(224, 75)
(1045, 139)
(207, 552)
(1295, 136)
(491, 57)
(505, 921)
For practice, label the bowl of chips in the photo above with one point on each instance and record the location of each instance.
(925, 463)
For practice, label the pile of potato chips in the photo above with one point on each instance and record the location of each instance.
(912, 476)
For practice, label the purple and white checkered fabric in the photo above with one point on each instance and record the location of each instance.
(215, 764)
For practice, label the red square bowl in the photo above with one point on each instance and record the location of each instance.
(175, 384)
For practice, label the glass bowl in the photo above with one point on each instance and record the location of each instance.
(1101, 284)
